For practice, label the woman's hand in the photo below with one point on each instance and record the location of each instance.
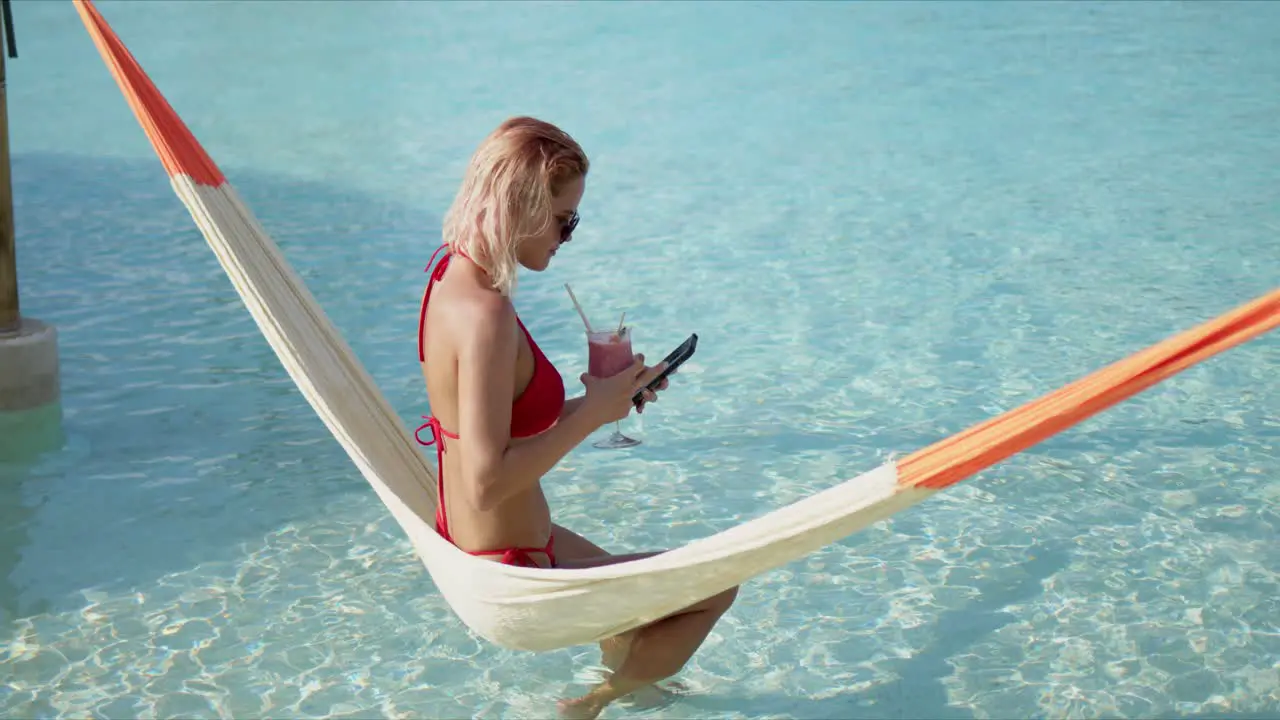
(650, 396)
(609, 399)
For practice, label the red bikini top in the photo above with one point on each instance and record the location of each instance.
(539, 406)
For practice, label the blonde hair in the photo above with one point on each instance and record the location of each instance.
(506, 194)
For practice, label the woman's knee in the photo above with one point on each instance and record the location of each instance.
(717, 604)
(724, 600)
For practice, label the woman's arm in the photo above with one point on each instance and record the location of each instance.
(486, 383)
(571, 406)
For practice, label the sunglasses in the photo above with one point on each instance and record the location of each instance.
(566, 230)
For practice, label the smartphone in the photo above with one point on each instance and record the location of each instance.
(673, 361)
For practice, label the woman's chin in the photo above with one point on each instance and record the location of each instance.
(546, 260)
(537, 264)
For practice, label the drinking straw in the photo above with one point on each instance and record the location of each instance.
(578, 307)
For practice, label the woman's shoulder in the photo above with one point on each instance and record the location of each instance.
(478, 314)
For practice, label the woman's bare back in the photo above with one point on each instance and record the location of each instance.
(523, 520)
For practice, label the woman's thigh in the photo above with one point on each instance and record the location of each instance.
(574, 551)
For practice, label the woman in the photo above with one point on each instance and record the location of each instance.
(501, 418)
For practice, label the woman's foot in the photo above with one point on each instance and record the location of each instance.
(583, 708)
(589, 706)
(645, 697)
(655, 697)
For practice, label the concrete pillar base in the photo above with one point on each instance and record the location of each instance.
(30, 391)
(27, 434)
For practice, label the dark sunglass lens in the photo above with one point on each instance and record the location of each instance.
(567, 230)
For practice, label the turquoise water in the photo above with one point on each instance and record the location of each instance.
(885, 221)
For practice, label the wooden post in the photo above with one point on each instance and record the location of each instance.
(10, 317)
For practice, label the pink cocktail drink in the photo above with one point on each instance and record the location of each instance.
(609, 352)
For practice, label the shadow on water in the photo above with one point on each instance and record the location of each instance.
(918, 692)
(163, 369)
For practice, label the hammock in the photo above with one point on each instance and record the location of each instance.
(546, 609)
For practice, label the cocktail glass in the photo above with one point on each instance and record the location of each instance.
(609, 353)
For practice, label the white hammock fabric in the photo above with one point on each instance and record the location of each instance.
(545, 609)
